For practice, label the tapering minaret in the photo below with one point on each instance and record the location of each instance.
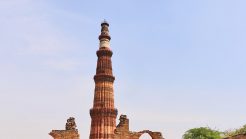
(103, 114)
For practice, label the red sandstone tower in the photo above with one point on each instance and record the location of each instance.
(103, 114)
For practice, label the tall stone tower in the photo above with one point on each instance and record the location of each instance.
(103, 114)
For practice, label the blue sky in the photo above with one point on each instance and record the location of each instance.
(178, 64)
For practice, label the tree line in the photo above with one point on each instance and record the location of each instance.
(208, 133)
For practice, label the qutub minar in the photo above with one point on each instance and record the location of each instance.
(103, 113)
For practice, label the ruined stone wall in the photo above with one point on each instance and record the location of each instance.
(65, 134)
(122, 131)
(70, 131)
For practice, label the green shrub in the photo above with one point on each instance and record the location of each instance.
(235, 132)
(202, 133)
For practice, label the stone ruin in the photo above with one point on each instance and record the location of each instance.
(71, 125)
(70, 131)
(122, 131)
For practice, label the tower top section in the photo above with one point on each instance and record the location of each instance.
(104, 22)
(104, 36)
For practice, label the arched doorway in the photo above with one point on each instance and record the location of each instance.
(145, 136)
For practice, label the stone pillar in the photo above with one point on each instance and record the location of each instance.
(103, 114)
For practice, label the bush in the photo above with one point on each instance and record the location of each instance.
(235, 132)
(202, 133)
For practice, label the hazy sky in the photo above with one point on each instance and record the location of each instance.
(178, 64)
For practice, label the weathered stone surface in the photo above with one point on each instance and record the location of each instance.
(103, 114)
(70, 133)
(122, 131)
(64, 134)
(71, 125)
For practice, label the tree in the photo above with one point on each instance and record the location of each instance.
(202, 133)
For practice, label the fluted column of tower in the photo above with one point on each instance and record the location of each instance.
(103, 114)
